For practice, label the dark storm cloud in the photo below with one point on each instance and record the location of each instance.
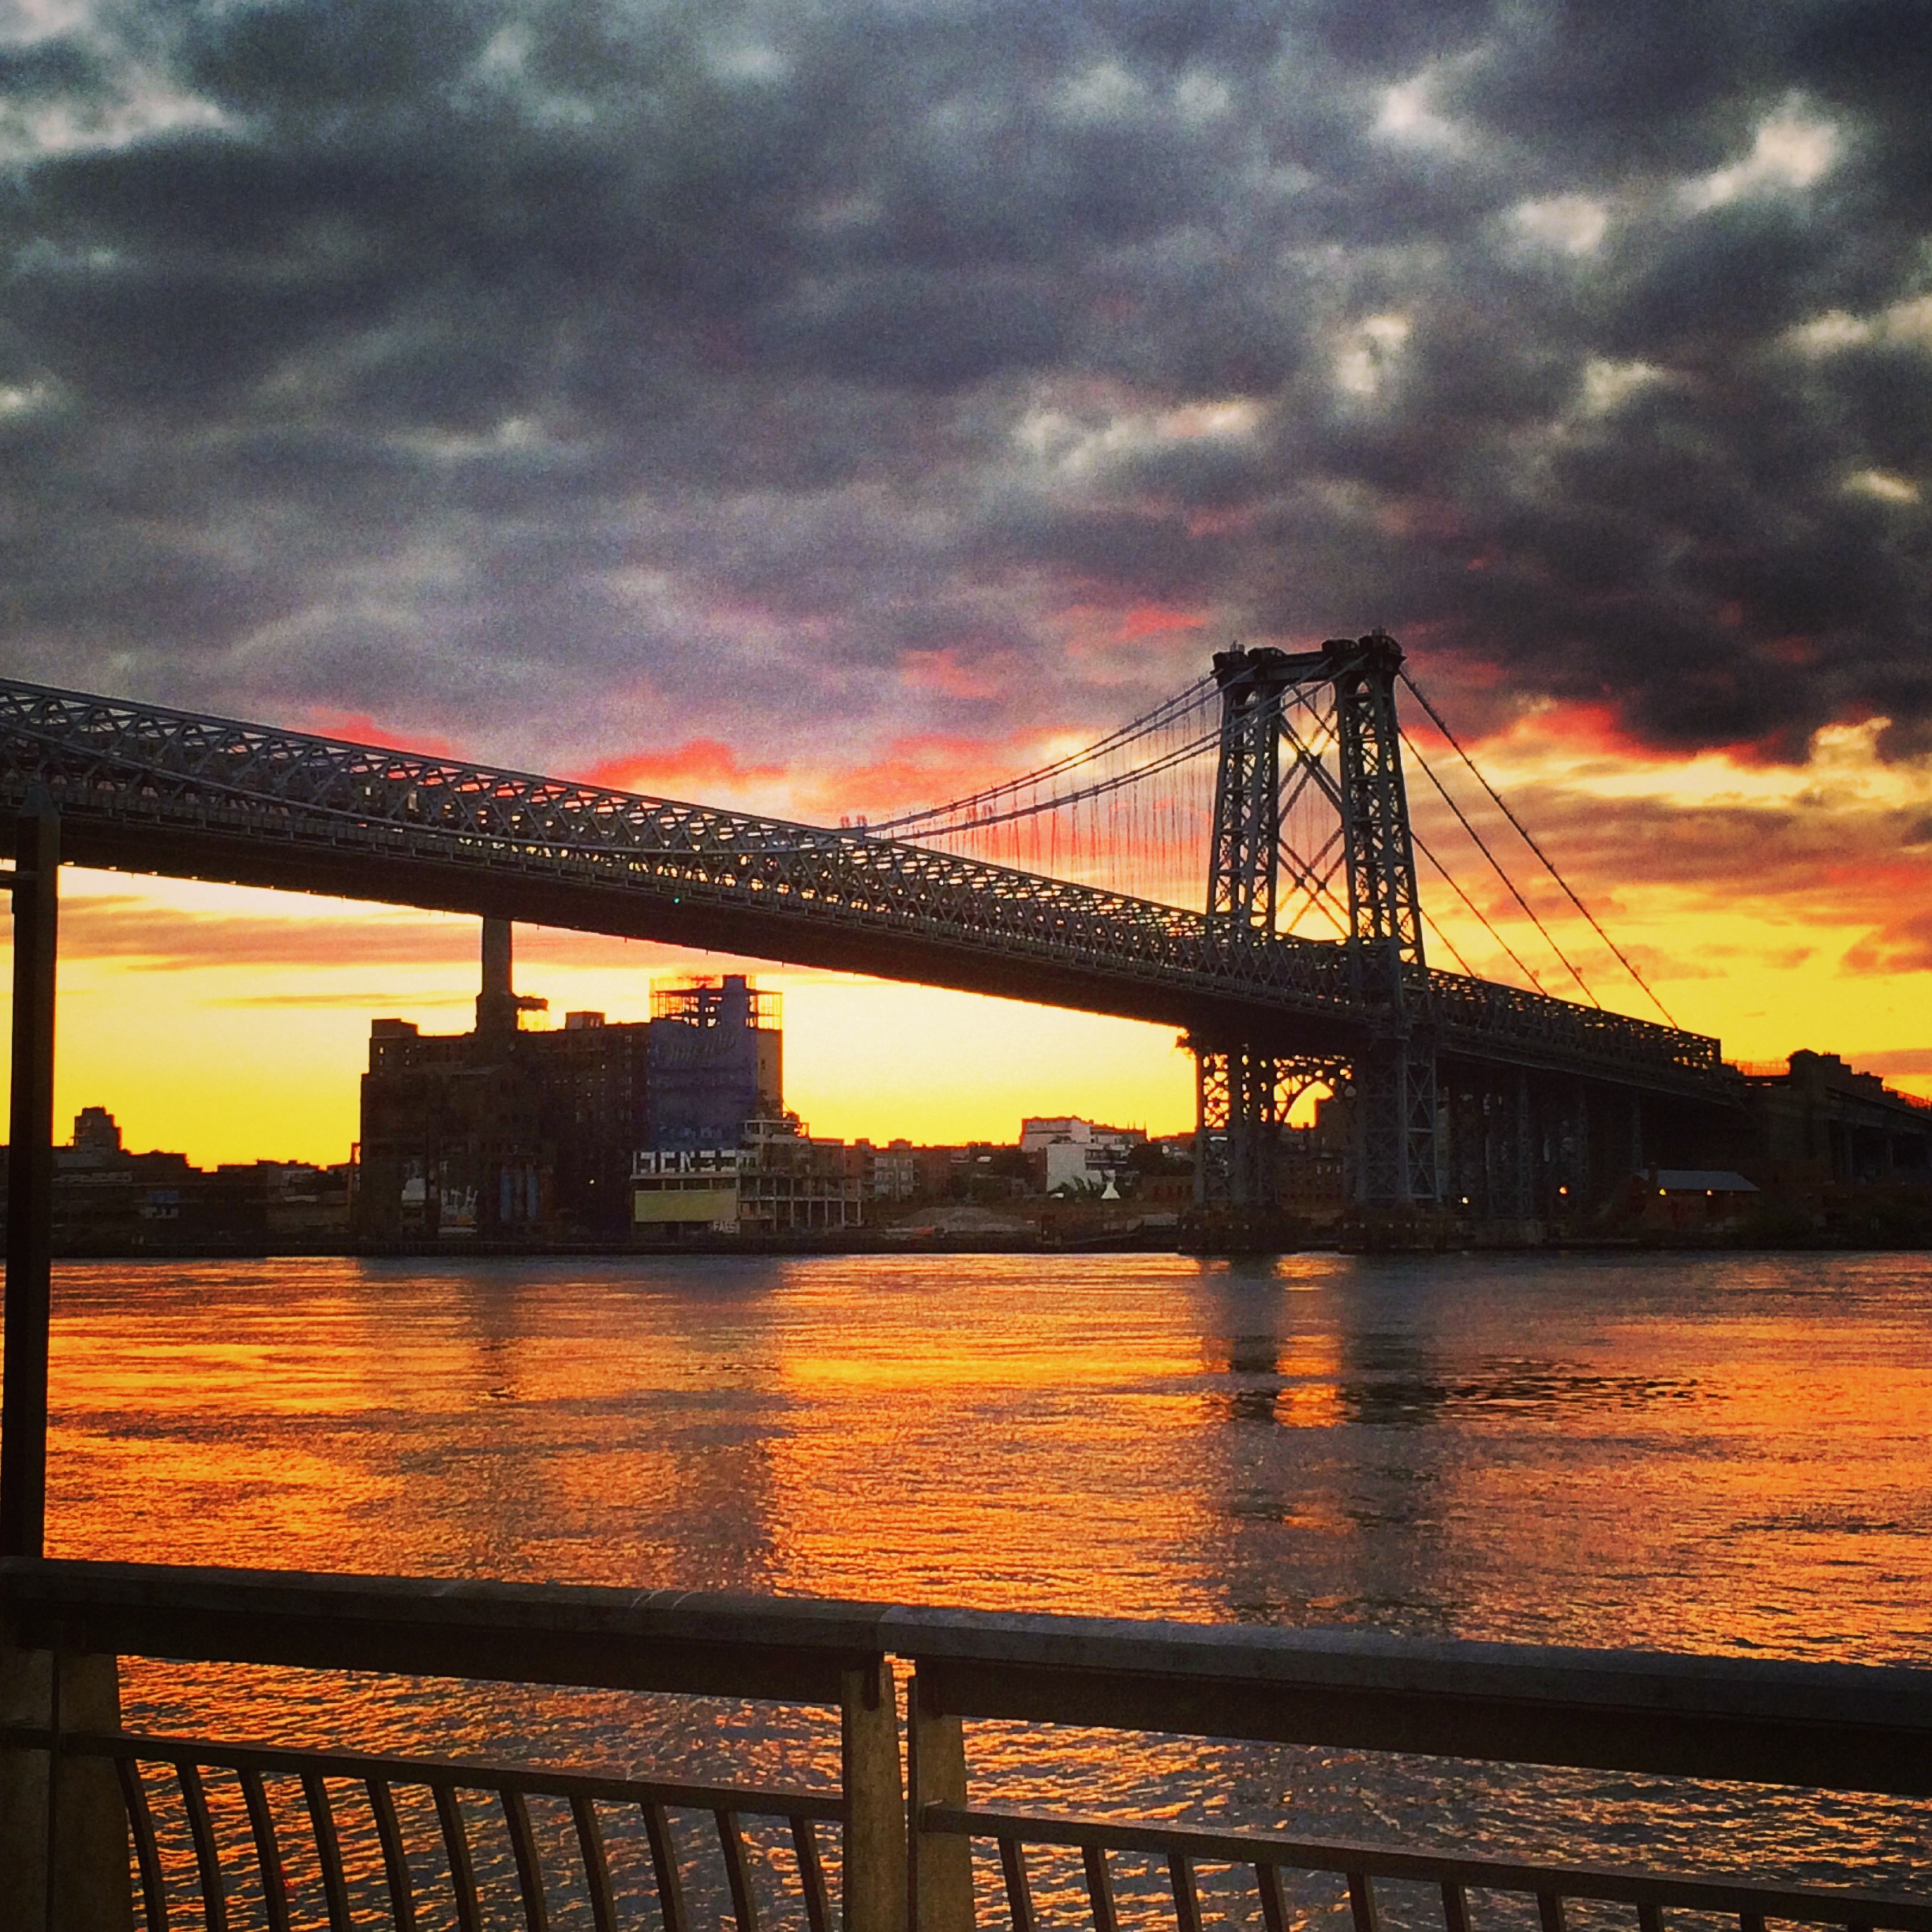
(567, 380)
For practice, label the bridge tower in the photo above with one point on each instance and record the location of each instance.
(1243, 1090)
(1238, 1100)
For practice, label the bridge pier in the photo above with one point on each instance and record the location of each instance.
(1242, 1100)
(1495, 1145)
(1522, 1146)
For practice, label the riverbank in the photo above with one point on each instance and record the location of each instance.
(1410, 1238)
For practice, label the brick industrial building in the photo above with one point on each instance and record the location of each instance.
(508, 1131)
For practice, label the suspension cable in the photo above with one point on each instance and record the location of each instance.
(1165, 713)
(1622, 959)
(1455, 885)
(1100, 788)
(1496, 864)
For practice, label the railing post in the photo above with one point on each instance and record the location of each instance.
(875, 1845)
(82, 1838)
(35, 883)
(939, 1864)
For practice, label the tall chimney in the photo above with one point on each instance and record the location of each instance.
(496, 1004)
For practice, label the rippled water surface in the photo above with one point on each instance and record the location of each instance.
(1713, 1453)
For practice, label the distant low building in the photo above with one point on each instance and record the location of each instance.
(1311, 1176)
(1070, 1152)
(778, 1180)
(1689, 1199)
(107, 1198)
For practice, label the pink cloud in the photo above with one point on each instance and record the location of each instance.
(697, 761)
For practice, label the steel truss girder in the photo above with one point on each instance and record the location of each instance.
(1242, 1099)
(170, 787)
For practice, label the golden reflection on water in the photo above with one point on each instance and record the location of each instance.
(1685, 1452)
(1707, 1453)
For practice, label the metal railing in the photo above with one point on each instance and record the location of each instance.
(1267, 1856)
(381, 1777)
(906, 1833)
(101, 1835)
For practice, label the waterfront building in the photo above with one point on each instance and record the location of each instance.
(1069, 1152)
(888, 1174)
(779, 1179)
(109, 1200)
(717, 1060)
(510, 1131)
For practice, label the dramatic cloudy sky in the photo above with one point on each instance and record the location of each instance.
(816, 404)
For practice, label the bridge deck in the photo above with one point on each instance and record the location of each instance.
(146, 789)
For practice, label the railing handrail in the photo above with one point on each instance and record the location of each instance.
(1848, 1727)
(722, 1643)
(438, 1774)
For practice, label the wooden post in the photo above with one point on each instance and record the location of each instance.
(85, 1838)
(29, 1190)
(63, 1837)
(940, 1882)
(875, 1844)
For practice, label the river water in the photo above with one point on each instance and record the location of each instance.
(1718, 1454)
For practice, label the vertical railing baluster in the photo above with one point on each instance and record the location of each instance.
(1361, 1901)
(1650, 1919)
(811, 1877)
(596, 1867)
(208, 1859)
(665, 1863)
(737, 1873)
(1187, 1901)
(328, 1849)
(268, 1853)
(147, 1852)
(394, 1856)
(1456, 1908)
(528, 1868)
(1099, 1889)
(1750, 1922)
(456, 1849)
(1019, 1894)
(1550, 1911)
(1274, 1899)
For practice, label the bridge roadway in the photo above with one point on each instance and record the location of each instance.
(141, 788)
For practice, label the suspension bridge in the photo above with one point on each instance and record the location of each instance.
(1239, 862)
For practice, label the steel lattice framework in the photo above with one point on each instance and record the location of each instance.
(1243, 1092)
(1395, 1077)
(144, 789)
